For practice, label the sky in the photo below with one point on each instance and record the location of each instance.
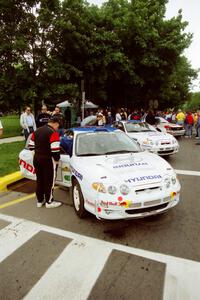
(190, 12)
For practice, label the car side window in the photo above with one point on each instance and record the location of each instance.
(66, 143)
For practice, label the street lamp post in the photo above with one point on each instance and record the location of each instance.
(83, 97)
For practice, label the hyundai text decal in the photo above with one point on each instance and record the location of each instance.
(143, 178)
(130, 165)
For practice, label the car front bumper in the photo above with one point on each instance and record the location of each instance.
(163, 149)
(135, 211)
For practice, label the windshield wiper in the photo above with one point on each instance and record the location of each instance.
(118, 151)
(89, 154)
(147, 130)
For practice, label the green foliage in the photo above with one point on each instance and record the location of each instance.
(194, 103)
(126, 52)
(11, 126)
(9, 154)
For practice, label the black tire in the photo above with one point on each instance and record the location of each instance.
(77, 196)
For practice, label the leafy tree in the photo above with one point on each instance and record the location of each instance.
(194, 102)
(126, 52)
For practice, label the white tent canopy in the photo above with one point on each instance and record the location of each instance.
(64, 104)
(89, 104)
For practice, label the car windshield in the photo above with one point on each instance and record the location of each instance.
(104, 143)
(138, 127)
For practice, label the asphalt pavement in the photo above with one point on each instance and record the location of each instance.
(152, 258)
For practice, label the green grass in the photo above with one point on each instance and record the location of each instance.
(9, 153)
(11, 126)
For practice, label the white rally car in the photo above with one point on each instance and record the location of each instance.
(165, 126)
(110, 176)
(148, 137)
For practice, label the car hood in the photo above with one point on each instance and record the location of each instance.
(154, 136)
(133, 169)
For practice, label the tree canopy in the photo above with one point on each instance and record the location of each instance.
(126, 52)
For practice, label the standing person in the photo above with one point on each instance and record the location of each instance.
(99, 119)
(123, 114)
(68, 117)
(150, 118)
(198, 127)
(118, 116)
(180, 117)
(43, 117)
(57, 113)
(109, 118)
(195, 117)
(46, 143)
(1, 129)
(189, 121)
(27, 122)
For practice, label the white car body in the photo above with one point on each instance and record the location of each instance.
(171, 128)
(149, 138)
(113, 186)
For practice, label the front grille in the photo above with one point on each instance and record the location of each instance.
(176, 129)
(150, 203)
(146, 209)
(165, 151)
(141, 191)
(165, 143)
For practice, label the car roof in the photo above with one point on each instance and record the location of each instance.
(93, 129)
(132, 121)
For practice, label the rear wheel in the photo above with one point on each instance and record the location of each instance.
(78, 200)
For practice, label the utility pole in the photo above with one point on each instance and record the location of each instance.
(83, 97)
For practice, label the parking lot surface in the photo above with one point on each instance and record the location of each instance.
(152, 258)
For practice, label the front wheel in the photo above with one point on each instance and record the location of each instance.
(78, 200)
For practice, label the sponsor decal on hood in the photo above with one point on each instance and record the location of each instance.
(128, 165)
(143, 178)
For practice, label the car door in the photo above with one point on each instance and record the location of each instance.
(63, 172)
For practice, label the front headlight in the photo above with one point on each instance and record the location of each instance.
(173, 180)
(148, 142)
(99, 187)
(124, 189)
(112, 190)
(174, 141)
(167, 183)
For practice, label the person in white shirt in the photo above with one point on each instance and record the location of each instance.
(1, 129)
(27, 122)
(118, 116)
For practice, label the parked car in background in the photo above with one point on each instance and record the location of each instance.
(171, 128)
(110, 176)
(148, 137)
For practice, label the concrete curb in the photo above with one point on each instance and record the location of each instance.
(8, 179)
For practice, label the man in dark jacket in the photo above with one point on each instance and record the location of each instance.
(150, 118)
(43, 117)
(46, 143)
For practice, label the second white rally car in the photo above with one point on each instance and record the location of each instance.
(148, 137)
(110, 176)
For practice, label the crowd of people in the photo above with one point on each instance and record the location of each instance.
(189, 120)
(29, 123)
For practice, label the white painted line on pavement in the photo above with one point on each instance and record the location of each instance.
(181, 280)
(15, 234)
(73, 274)
(187, 172)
